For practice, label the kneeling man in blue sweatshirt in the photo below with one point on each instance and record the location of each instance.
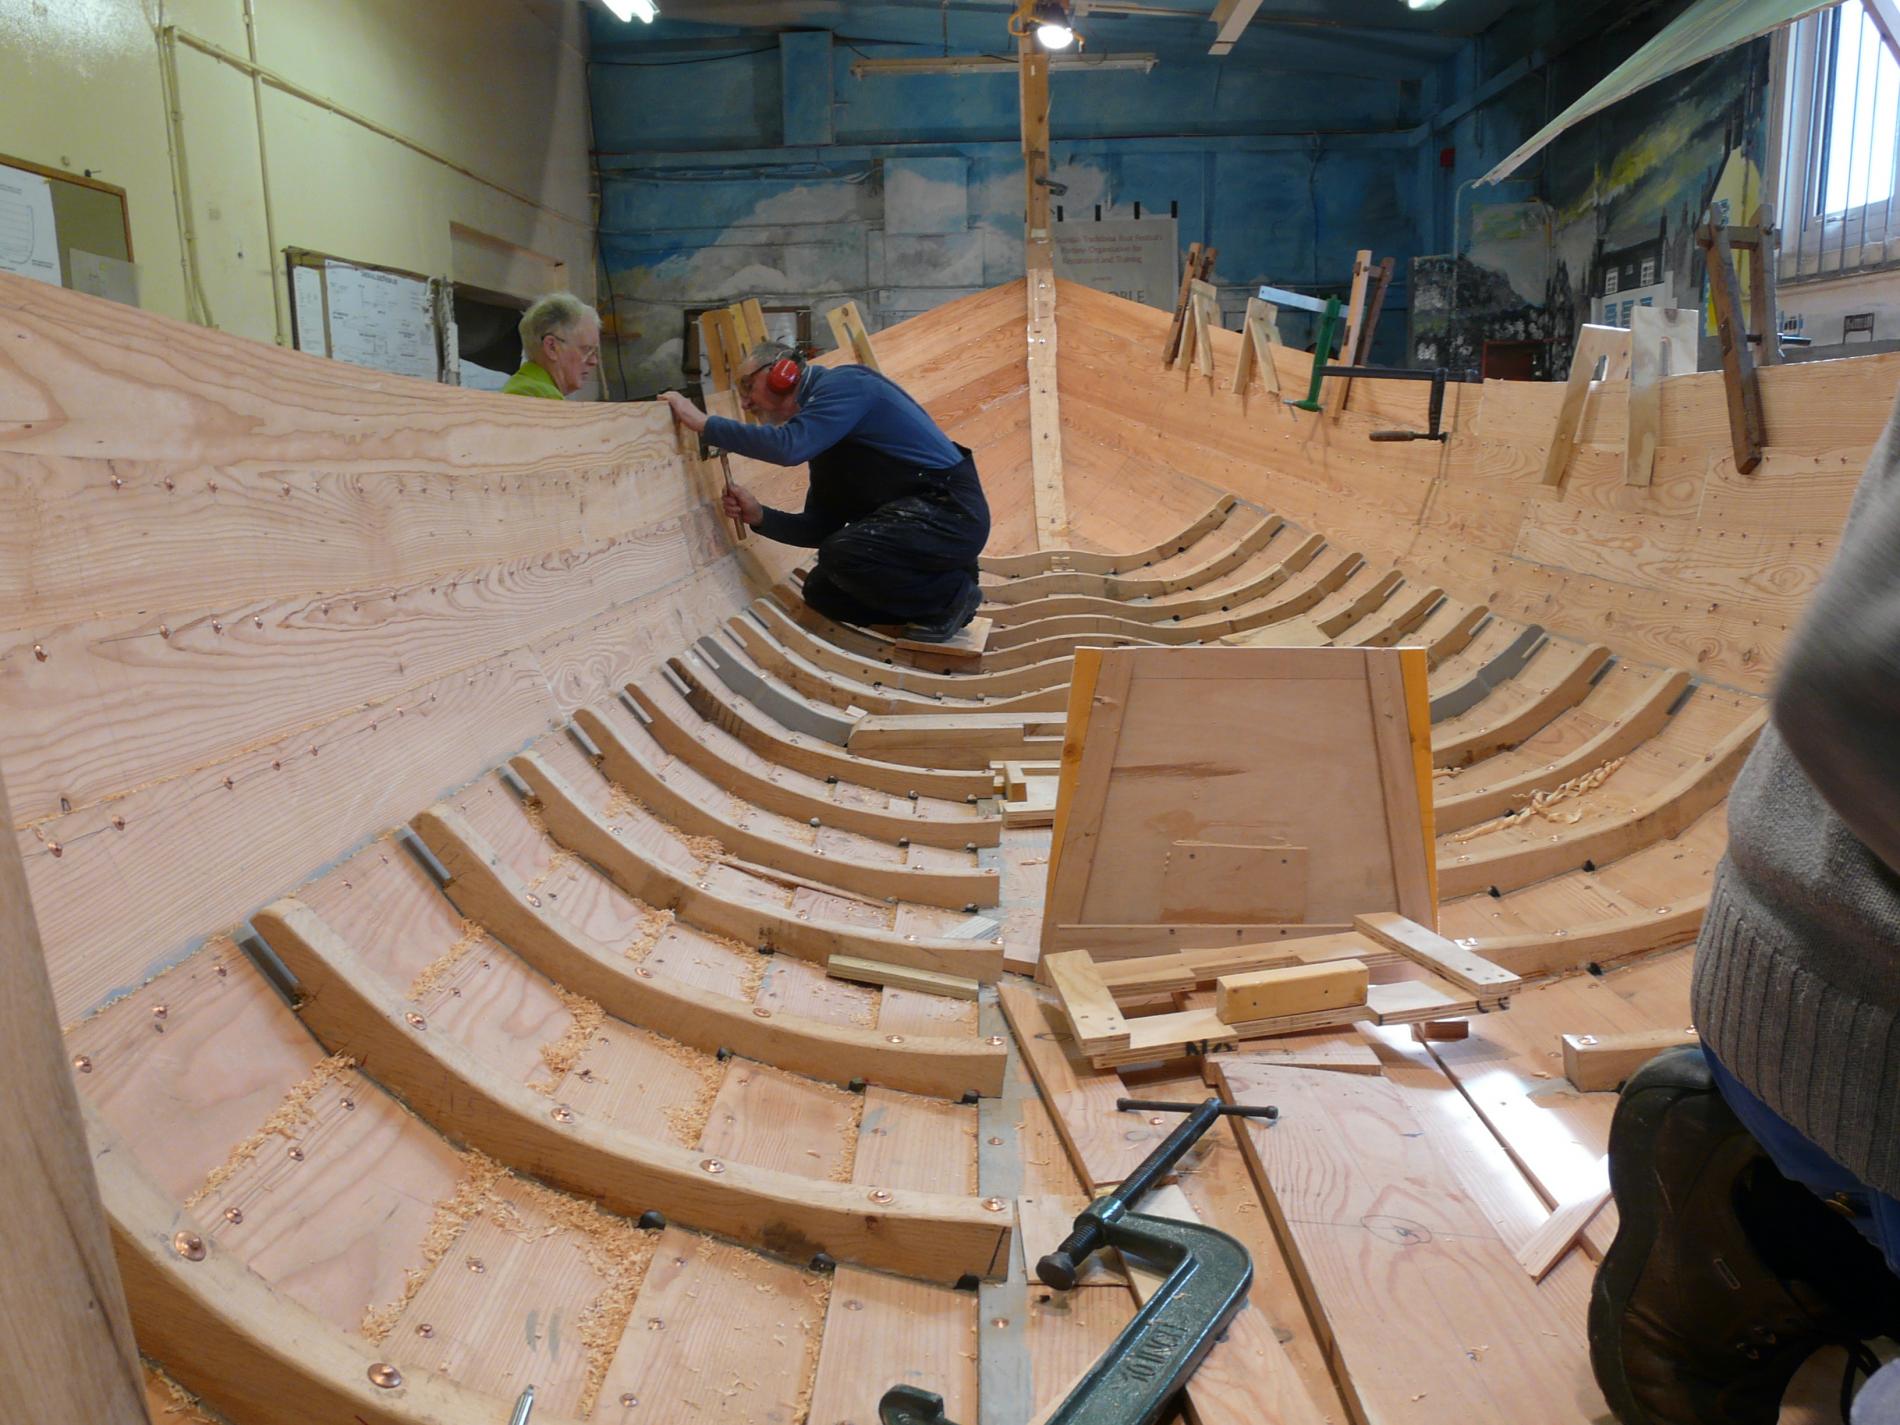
(894, 507)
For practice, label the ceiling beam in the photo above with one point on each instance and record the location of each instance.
(1232, 16)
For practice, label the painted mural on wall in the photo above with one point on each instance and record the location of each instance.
(1614, 228)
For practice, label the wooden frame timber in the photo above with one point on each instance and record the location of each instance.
(1089, 561)
(582, 831)
(353, 1012)
(486, 890)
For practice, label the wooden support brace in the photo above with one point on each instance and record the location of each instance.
(1662, 344)
(1258, 336)
(1338, 386)
(1740, 381)
(1190, 270)
(1204, 303)
(1596, 346)
(1447, 958)
(847, 328)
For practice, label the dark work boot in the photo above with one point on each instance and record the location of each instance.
(1724, 1276)
(945, 628)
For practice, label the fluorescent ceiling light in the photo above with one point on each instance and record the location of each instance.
(1423, 4)
(627, 9)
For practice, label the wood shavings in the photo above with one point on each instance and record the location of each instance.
(621, 804)
(657, 924)
(292, 1113)
(438, 969)
(688, 1120)
(847, 1161)
(560, 1055)
(180, 1404)
(1540, 803)
(559, 858)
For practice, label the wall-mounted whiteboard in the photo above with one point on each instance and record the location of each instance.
(368, 316)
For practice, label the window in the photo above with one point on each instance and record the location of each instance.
(1649, 273)
(1840, 120)
(1610, 280)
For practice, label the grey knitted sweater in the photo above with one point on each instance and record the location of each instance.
(1797, 975)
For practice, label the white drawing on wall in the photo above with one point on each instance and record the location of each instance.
(29, 244)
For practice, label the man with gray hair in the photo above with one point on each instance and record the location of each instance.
(560, 347)
(894, 508)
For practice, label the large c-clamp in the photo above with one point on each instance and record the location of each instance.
(1207, 1276)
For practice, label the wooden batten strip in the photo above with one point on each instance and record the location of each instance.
(932, 1236)
(1088, 561)
(1040, 586)
(875, 972)
(580, 830)
(485, 889)
(712, 700)
(625, 766)
(1606, 942)
(728, 773)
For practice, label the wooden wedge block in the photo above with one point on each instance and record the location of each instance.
(876, 972)
(1603, 1061)
(1295, 989)
(1095, 1022)
(1448, 958)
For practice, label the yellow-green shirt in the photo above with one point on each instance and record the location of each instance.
(532, 380)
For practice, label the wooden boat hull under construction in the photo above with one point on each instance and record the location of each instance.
(438, 833)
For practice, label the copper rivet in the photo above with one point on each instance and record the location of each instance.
(763, 1013)
(189, 1245)
(996, 1142)
(296, 1154)
(257, 622)
(83, 1063)
(996, 1041)
(222, 971)
(425, 1330)
(880, 1195)
(57, 850)
(627, 1402)
(854, 1305)
(385, 1375)
(1155, 1121)
(217, 626)
(1000, 1322)
(911, 938)
(711, 1165)
(164, 630)
(234, 1215)
(994, 1204)
(533, 899)
(894, 1038)
(477, 1265)
(654, 1323)
(39, 653)
(118, 823)
(562, 1113)
(415, 1020)
(643, 972)
(348, 1104)
(159, 1011)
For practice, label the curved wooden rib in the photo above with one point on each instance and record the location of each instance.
(1664, 814)
(582, 832)
(1481, 668)
(626, 765)
(714, 700)
(1601, 943)
(1556, 680)
(353, 1011)
(723, 765)
(1015, 623)
(1469, 805)
(1041, 650)
(783, 705)
(1407, 616)
(1087, 561)
(814, 682)
(1038, 586)
(486, 890)
(222, 1332)
(827, 655)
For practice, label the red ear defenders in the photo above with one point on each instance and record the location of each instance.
(782, 375)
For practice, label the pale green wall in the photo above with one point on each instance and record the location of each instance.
(497, 86)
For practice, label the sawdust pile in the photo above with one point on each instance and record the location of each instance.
(560, 1055)
(438, 969)
(291, 1114)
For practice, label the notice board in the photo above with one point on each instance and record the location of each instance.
(380, 317)
(1136, 258)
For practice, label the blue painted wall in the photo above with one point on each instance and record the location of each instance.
(717, 181)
